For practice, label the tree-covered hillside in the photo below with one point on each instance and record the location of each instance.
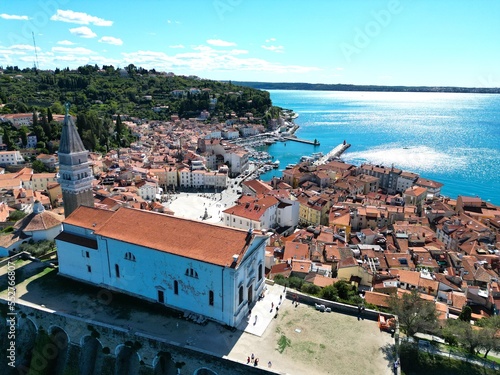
(131, 91)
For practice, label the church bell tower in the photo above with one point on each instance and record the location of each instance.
(75, 174)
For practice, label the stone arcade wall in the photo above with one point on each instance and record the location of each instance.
(59, 344)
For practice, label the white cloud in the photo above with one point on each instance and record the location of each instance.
(13, 17)
(111, 40)
(83, 32)
(339, 68)
(204, 59)
(270, 40)
(79, 18)
(239, 51)
(220, 43)
(177, 46)
(74, 50)
(277, 49)
(23, 47)
(18, 50)
(65, 43)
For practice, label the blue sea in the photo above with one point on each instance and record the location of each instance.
(450, 138)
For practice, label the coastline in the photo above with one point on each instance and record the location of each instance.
(411, 131)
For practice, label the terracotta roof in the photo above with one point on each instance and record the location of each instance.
(296, 250)
(253, 210)
(319, 280)
(187, 238)
(39, 221)
(377, 299)
(301, 266)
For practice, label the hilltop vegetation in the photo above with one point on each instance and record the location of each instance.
(133, 91)
(97, 94)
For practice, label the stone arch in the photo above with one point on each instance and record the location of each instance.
(60, 338)
(50, 352)
(91, 356)
(163, 364)
(127, 360)
(204, 371)
(25, 340)
(26, 334)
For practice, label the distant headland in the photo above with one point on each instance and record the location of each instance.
(345, 87)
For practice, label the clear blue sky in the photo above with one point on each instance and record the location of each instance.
(390, 42)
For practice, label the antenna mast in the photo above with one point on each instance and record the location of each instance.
(36, 54)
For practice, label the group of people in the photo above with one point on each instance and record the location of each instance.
(255, 361)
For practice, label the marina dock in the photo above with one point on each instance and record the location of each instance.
(314, 143)
(335, 153)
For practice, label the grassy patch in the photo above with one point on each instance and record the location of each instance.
(283, 343)
(306, 347)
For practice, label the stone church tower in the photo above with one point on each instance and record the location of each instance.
(75, 174)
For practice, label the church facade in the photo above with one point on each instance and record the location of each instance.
(214, 271)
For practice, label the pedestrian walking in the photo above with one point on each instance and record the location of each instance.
(254, 323)
(253, 357)
(248, 360)
(272, 305)
(269, 364)
(256, 362)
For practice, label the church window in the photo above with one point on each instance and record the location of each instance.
(130, 256)
(191, 272)
(240, 299)
(89, 269)
(117, 270)
(260, 271)
(176, 287)
(211, 298)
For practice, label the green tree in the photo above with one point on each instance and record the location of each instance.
(38, 166)
(330, 293)
(490, 336)
(414, 314)
(7, 140)
(49, 115)
(58, 108)
(465, 314)
(464, 333)
(17, 215)
(119, 130)
(310, 288)
(295, 282)
(23, 134)
(344, 290)
(35, 118)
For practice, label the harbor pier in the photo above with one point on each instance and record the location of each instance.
(335, 153)
(314, 143)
